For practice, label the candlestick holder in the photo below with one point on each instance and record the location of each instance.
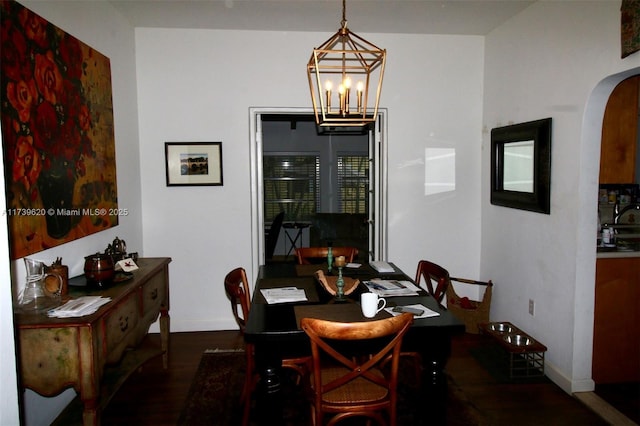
(340, 285)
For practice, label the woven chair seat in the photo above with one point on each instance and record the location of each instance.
(359, 390)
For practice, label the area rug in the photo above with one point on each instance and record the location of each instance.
(214, 399)
(214, 396)
(495, 360)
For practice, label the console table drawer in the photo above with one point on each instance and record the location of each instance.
(153, 295)
(50, 360)
(121, 322)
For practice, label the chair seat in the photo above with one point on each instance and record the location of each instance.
(357, 391)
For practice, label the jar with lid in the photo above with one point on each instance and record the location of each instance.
(99, 269)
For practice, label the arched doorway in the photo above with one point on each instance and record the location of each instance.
(616, 353)
(586, 255)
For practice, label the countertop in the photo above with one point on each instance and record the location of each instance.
(612, 253)
(627, 239)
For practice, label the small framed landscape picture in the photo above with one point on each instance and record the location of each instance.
(193, 163)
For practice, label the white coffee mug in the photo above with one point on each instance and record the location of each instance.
(371, 305)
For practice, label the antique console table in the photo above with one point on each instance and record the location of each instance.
(55, 354)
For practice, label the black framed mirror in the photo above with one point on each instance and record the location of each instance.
(521, 166)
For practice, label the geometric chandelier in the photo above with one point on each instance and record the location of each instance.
(341, 72)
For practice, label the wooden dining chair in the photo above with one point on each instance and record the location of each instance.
(430, 273)
(310, 255)
(236, 287)
(347, 384)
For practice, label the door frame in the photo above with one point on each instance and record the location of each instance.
(378, 136)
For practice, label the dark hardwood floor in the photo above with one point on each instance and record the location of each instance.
(154, 396)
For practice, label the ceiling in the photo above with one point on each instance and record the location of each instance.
(463, 17)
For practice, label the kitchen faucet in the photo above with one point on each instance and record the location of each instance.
(617, 213)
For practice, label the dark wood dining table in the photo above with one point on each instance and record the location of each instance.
(275, 332)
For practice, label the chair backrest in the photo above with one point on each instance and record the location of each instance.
(326, 339)
(236, 286)
(272, 236)
(431, 272)
(309, 255)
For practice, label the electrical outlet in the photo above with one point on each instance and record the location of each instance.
(531, 306)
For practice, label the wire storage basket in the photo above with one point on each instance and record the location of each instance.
(470, 312)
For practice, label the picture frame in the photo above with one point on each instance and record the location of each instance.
(193, 163)
(521, 166)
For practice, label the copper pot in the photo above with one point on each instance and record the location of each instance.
(98, 269)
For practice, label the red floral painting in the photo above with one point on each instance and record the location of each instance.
(630, 26)
(57, 134)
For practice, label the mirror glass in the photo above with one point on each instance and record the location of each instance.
(521, 166)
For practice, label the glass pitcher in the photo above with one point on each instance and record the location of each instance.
(42, 290)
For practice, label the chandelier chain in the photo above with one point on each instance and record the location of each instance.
(344, 14)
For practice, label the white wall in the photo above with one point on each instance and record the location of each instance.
(197, 85)
(9, 412)
(549, 61)
(101, 27)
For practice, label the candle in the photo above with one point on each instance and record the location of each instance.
(328, 86)
(359, 88)
(347, 89)
(341, 92)
(340, 261)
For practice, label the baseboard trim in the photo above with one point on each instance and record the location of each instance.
(565, 383)
(178, 326)
(223, 351)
